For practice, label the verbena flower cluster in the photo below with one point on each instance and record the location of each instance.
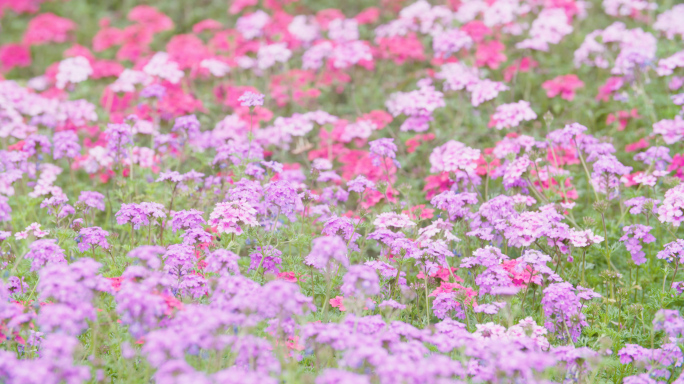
(386, 192)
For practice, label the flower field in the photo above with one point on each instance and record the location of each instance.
(341, 192)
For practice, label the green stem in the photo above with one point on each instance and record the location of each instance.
(586, 170)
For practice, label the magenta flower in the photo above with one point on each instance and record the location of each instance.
(564, 86)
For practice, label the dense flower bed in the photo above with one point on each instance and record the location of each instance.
(278, 191)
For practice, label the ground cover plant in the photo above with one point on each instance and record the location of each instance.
(335, 192)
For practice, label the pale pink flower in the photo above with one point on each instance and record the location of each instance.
(228, 217)
(391, 219)
(511, 115)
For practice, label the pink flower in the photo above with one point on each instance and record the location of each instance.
(390, 219)
(511, 115)
(490, 54)
(454, 156)
(47, 28)
(287, 276)
(581, 239)
(229, 216)
(206, 25)
(151, 18)
(672, 209)
(237, 6)
(14, 55)
(612, 84)
(484, 90)
(622, 117)
(564, 86)
(338, 302)
(368, 16)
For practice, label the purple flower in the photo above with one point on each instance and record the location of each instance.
(154, 90)
(633, 238)
(71, 289)
(139, 306)
(179, 259)
(196, 235)
(326, 251)
(360, 281)
(91, 199)
(5, 209)
(446, 304)
(341, 226)
(234, 375)
(66, 144)
(118, 137)
(248, 190)
(65, 211)
(279, 298)
(193, 285)
(178, 371)
(511, 115)
(16, 286)
(251, 99)
(672, 250)
(222, 260)
(391, 304)
(43, 252)
(514, 171)
(638, 205)
(187, 219)
(238, 152)
(171, 176)
(251, 351)
(455, 204)
(35, 143)
(52, 202)
(604, 177)
(149, 255)
(567, 135)
(359, 184)
(494, 280)
(339, 376)
(487, 257)
(658, 156)
(188, 124)
(139, 214)
(381, 149)
(670, 321)
(562, 308)
(268, 258)
(282, 198)
(489, 309)
(93, 236)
